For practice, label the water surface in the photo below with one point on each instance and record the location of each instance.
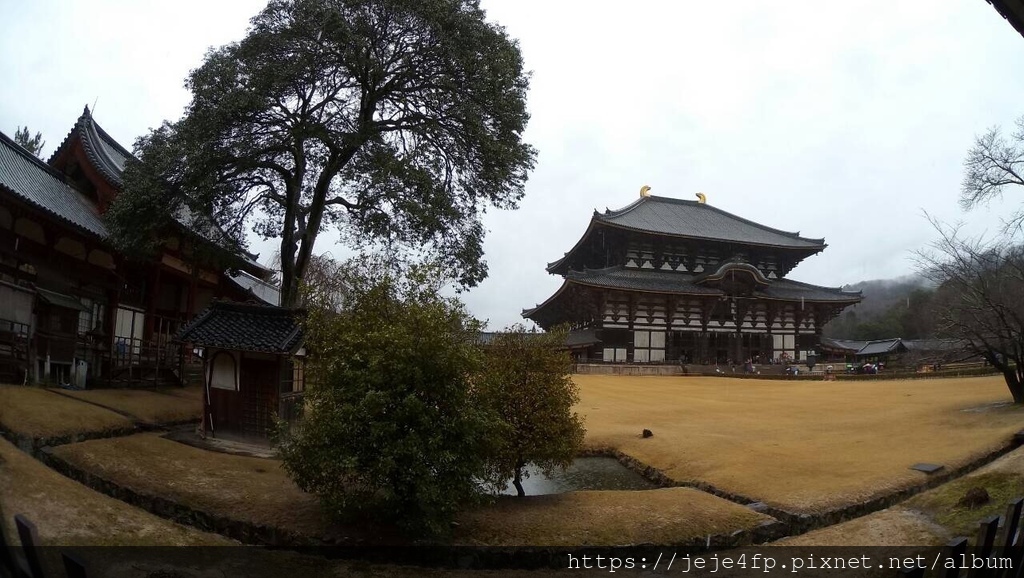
(583, 474)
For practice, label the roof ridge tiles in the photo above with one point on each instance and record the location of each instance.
(67, 138)
(108, 138)
(627, 208)
(106, 165)
(86, 126)
(261, 308)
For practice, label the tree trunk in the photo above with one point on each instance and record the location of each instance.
(517, 481)
(289, 288)
(1014, 384)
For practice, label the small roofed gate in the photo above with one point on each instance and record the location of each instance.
(253, 358)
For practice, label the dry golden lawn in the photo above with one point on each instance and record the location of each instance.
(896, 526)
(259, 491)
(803, 446)
(611, 518)
(164, 405)
(251, 489)
(68, 513)
(35, 412)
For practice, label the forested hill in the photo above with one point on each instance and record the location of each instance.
(891, 308)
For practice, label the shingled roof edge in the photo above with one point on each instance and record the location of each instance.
(289, 343)
(55, 174)
(652, 198)
(101, 160)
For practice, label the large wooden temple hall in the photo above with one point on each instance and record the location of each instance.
(666, 280)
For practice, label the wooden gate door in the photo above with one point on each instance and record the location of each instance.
(225, 409)
(258, 384)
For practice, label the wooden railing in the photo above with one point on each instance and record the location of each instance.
(14, 349)
(999, 547)
(26, 564)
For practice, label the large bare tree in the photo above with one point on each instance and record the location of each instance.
(979, 299)
(994, 165)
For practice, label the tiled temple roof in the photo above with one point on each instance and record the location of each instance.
(245, 327)
(676, 217)
(693, 221)
(109, 158)
(881, 346)
(35, 182)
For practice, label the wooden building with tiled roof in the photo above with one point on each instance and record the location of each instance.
(672, 281)
(72, 309)
(253, 366)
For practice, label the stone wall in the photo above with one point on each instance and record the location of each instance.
(624, 369)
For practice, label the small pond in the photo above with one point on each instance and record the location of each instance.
(583, 474)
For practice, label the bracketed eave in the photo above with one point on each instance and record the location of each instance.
(674, 283)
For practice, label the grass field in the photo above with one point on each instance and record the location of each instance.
(258, 490)
(244, 488)
(164, 405)
(804, 446)
(664, 516)
(68, 513)
(36, 412)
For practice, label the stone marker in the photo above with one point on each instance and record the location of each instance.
(758, 506)
(927, 468)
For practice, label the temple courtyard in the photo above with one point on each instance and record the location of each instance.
(798, 446)
(802, 446)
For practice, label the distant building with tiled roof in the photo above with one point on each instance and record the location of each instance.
(895, 348)
(666, 280)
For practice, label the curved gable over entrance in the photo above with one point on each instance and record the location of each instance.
(735, 278)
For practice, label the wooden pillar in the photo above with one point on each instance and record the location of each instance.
(672, 349)
(770, 315)
(193, 289)
(151, 324)
(113, 302)
(632, 322)
(204, 423)
(742, 307)
(701, 353)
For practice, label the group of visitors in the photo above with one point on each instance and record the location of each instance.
(867, 368)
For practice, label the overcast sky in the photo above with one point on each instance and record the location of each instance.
(842, 120)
